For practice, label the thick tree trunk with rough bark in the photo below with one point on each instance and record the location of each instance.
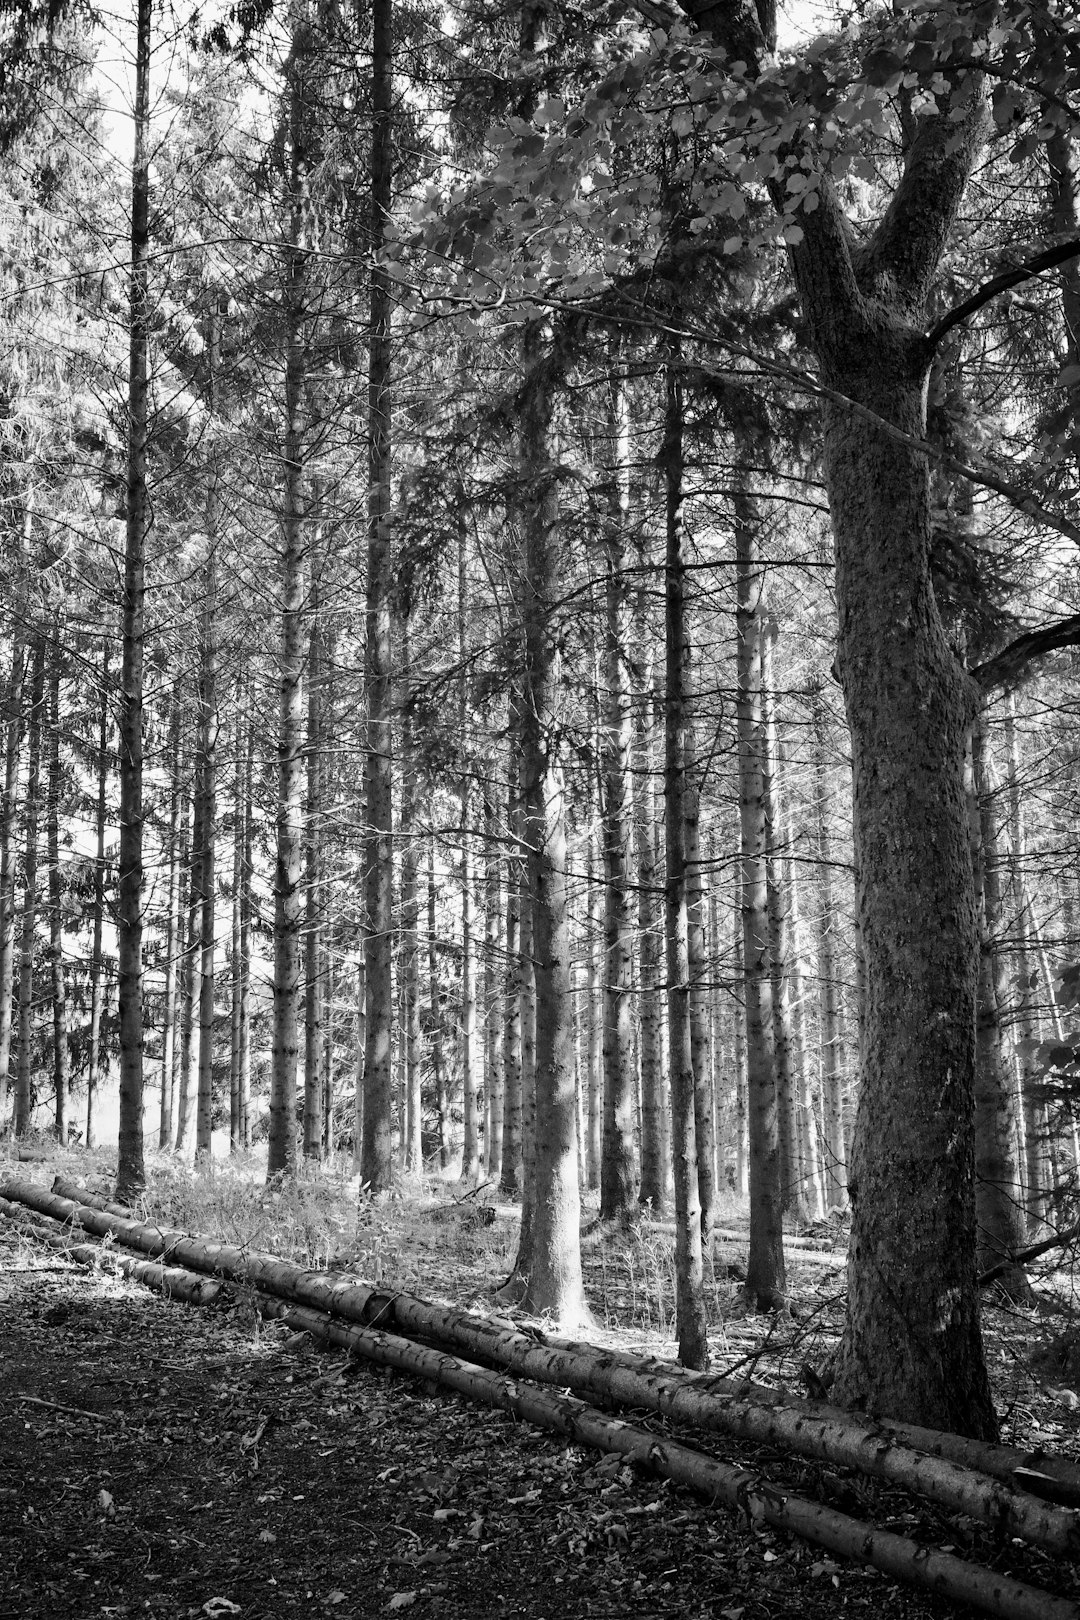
(548, 1265)
(911, 1344)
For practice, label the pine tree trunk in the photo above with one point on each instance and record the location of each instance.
(189, 859)
(510, 1180)
(288, 868)
(779, 942)
(998, 1190)
(24, 1092)
(438, 1063)
(832, 1037)
(13, 725)
(207, 883)
(313, 1088)
(654, 1170)
(236, 1135)
(494, 1068)
(377, 1163)
(810, 1189)
(549, 1256)
(742, 1110)
(131, 1171)
(470, 1159)
(173, 921)
(410, 930)
(765, 1286)
(618, 1166)
(690, 1324)
(704, 1129)
(98, 977)
(594, 1022)
(61, 1064)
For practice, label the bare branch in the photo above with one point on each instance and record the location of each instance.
(1013, 663)
(999, 284)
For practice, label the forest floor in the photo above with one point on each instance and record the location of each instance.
(161, 1461)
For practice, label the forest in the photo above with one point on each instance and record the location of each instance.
(538, 628)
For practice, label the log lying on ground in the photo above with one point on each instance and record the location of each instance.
(173, 1281)
(816, 1431)
(742, 1490)
(881, 1448)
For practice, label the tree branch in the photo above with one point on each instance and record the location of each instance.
(999, 284)
(1008, 667)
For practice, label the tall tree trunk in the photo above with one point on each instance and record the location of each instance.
(549, 1258)
(313, 1089)
(594, 1021)
(832, 1037)
(173, 922)
(98, 976)
(618, 1169)
(690, 1325)
(809, 1187)
(998, 1190)
(779, 940)
(61, 1065)
(207, 881)
(377, 1166)
(494, 1067)
(288, 868)
(654, 1152)
(742, 1105)
(510, 1180)
(410, 930)
(13, 725)
(131, 1170)
(438, 1062)
(236, 1009)
(1038, 1173)
(705, 1134)
(766, 1285)
(470, 1160)
(189, 982)
(24, 1094)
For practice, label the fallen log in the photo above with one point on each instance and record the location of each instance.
(175, 1282)
(742, 1490)
(819, 1432)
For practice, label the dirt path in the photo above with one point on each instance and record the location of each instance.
(159, 1461)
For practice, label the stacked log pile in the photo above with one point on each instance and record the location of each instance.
(560, 1385)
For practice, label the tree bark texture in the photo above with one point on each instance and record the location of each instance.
(765, 1285)
(61, 1056)
(24, 1096)
(691, 1325)
(377, 1160)
(131, 1171)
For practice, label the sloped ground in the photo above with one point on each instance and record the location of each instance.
(161, 1461)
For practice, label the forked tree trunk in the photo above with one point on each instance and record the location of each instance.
(911, 1343)
(765, 1286)
(690, 1324)
(61, 1057)
(131, 1170)
(24, 1097)
(377, 1163)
